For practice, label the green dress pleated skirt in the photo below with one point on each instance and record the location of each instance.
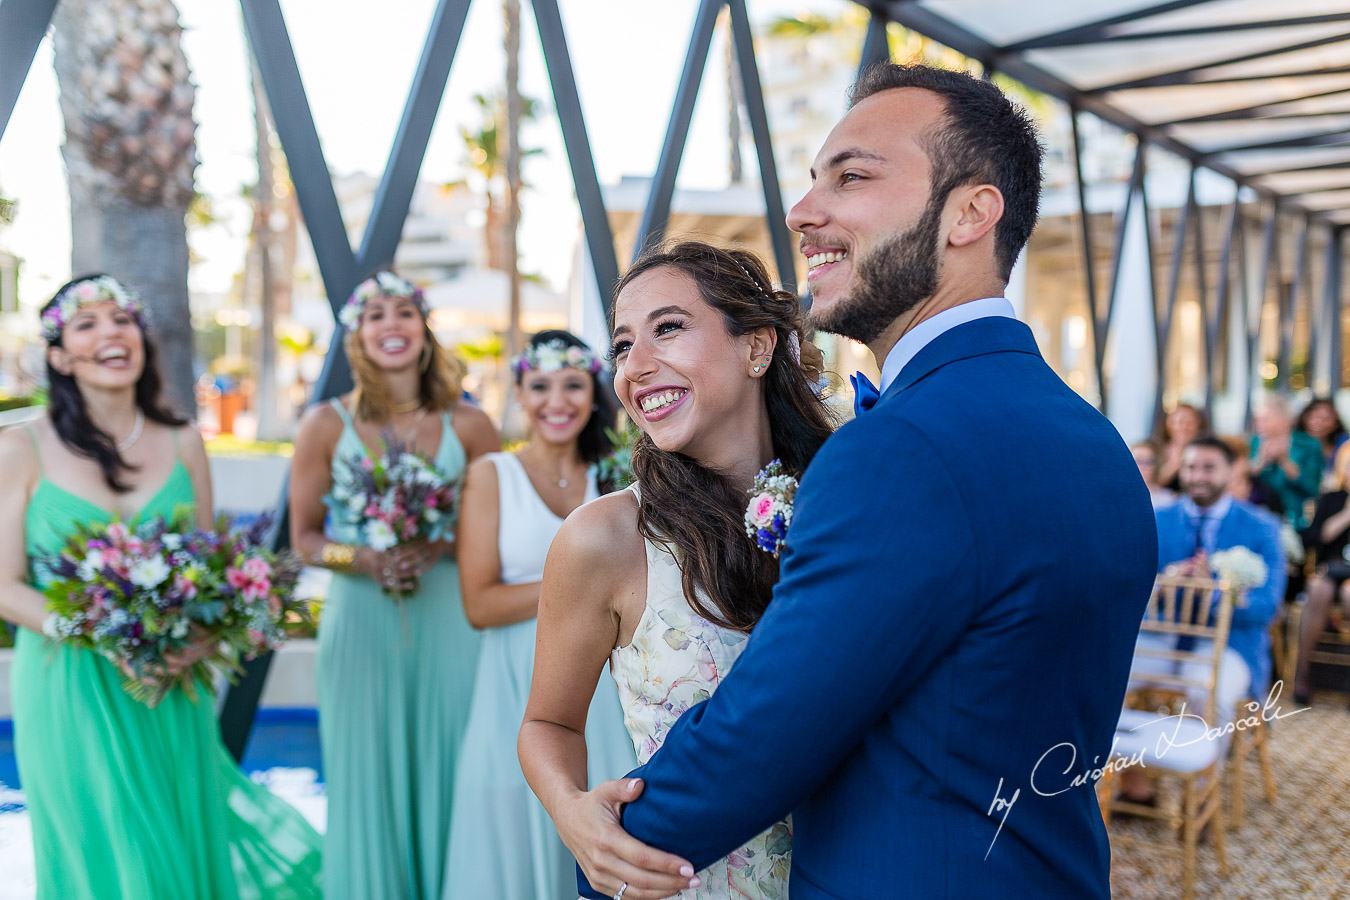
(395, 680)
(127, 801)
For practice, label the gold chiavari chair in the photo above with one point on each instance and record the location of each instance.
(1168, 735)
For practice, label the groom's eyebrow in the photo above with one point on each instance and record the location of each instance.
(844, 156)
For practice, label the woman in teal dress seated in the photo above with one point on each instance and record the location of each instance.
(395, 674)
(125, 800)
(503, 844)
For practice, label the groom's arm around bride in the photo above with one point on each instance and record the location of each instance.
(967, 564)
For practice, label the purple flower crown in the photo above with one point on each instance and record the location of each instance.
(551, 356)
(87, 292)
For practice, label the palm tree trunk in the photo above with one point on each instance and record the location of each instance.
(512, 426)
(130, 155)
(265, 398)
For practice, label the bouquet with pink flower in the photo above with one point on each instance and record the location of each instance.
(399, 498)
(149, 597)
(770, 511)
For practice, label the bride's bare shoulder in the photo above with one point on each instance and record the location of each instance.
(599, 536)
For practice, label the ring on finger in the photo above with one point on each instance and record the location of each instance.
(623, 887)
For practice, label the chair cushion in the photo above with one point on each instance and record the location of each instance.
(1170, 743)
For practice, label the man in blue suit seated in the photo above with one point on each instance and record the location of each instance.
(948, 646)
(1206, 520)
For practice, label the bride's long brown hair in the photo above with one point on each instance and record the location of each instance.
(697, 513)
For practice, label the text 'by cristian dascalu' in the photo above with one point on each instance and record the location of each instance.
(1058, 770)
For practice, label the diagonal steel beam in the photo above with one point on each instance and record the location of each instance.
(1166, 316)
(1334, 264)
(1338, 138)
(876, 47)
(759, 128)
(23, 24)
(1223, 291)
(1187, 75)
(394, 195)
(1117, 257)
(567, 101)
(657, 214)
(1095, 31)
(271, 43)
(1289, 301)
(1100, 324)
(1254, 301)
(1261, 110)
(1106, 37)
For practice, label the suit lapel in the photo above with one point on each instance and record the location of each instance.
(995, 334)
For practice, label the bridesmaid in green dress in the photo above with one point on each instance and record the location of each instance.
(124, 800)
(395, 677)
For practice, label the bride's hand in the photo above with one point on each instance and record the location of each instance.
(609, 856)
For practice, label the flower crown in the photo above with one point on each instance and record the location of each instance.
(554, 355)
(87, 292)
(381, 284)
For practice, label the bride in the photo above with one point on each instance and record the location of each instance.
(660, 580)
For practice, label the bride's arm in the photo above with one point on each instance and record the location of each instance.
(586, 579)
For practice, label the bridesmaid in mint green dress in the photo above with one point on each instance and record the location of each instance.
(124, 800)
(395, 675)
(503, 844)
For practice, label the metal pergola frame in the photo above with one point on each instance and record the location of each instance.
(23, 23)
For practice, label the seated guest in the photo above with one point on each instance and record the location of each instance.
(1146, 458)
(1208, 519)
(1183, 424)
(1289, 462)
(1320, 421)
(1328, 539)
(1242, 487)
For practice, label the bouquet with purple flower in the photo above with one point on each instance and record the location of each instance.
(170, 604)
(399, 498)
(770, 511)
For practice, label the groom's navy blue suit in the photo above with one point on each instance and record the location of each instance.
(964, 580)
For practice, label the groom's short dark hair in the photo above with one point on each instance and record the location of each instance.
(986, 140)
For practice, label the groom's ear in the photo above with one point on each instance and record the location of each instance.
(762, 344)
(978, 208)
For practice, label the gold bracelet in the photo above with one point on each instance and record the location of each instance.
(338, 557)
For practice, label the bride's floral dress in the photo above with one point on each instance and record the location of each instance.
(676, 659)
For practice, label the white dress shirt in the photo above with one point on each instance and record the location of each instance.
(928, 330)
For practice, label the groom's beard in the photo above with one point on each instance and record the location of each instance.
(892, 279)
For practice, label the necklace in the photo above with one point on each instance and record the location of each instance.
(408, 407)
(411, 434)
(125, 444)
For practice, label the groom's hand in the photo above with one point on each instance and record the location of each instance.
(609, 856)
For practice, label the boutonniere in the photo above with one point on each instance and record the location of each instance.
(770, 511)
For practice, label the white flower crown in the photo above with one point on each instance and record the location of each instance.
(554, 355)
(381, 284)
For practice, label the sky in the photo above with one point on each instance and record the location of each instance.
(357, 59)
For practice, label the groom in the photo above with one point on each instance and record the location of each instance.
(949, 643)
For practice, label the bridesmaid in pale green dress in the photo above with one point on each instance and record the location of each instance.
(503, 844)
(395, 676)
(124, 800)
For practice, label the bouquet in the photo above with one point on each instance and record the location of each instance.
(770, 511)
(1242, 568)
(396, 499)
(615, 469)
(138, 596)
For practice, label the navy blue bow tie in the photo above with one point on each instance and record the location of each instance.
(865, 393)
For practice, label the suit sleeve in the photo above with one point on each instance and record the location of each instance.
(1264, 601)
(878, 581)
